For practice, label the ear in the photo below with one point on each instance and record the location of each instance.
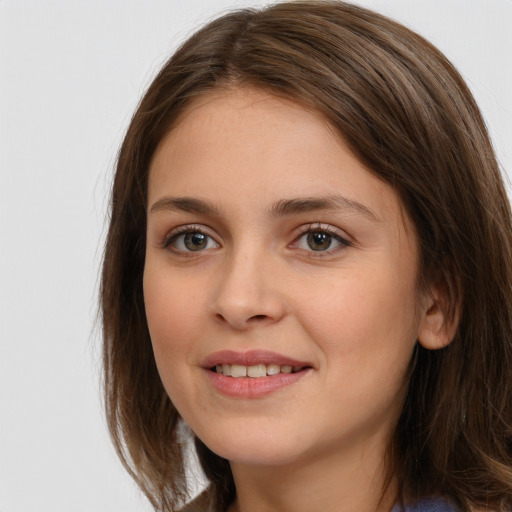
(436, 329)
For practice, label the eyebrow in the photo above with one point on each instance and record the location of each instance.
(324, 203)
(184, 204)
(279, 209)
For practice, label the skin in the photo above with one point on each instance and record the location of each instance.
(353, 312)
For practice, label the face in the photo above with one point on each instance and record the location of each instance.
(279, 283)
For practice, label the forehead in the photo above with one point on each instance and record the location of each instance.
(250, 112)
(250, 143)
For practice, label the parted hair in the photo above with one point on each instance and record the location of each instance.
(408, 116)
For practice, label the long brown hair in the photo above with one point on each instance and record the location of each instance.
(409, 117)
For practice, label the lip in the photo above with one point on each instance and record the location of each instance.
(248, 387)
(250, 358)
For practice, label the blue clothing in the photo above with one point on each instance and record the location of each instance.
(427, 505)
(424, 505)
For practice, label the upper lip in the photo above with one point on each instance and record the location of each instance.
(250, 358)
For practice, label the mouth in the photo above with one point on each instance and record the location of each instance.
(252, 363)
(253, 374)
(256, 371)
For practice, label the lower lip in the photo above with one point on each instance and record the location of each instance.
(249, 387)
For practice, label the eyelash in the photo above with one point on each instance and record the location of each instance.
(172, 237)
(304, 231)
(323, 229)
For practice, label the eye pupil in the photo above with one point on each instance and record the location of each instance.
(195, 241)
(319, 241)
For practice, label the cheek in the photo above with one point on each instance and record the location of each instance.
(365, 322)
(172, 313)
(173, 323)
(171, 299)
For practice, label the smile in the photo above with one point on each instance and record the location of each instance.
(253, 374)
(255, 371)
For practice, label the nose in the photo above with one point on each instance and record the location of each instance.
(248, 293)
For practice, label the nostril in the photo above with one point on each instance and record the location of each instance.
(242, 322)
(258, 317)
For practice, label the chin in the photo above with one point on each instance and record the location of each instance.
(254, 447)
(257, 456)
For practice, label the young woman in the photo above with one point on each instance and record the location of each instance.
(308, 272)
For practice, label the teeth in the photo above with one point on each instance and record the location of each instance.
(273, 369)
(255, 371)
(258, 370)
(237, 370)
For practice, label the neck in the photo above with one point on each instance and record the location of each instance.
(354, 483)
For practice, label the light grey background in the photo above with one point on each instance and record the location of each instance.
(71, 73)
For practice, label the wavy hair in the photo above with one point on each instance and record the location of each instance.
(408, 116)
